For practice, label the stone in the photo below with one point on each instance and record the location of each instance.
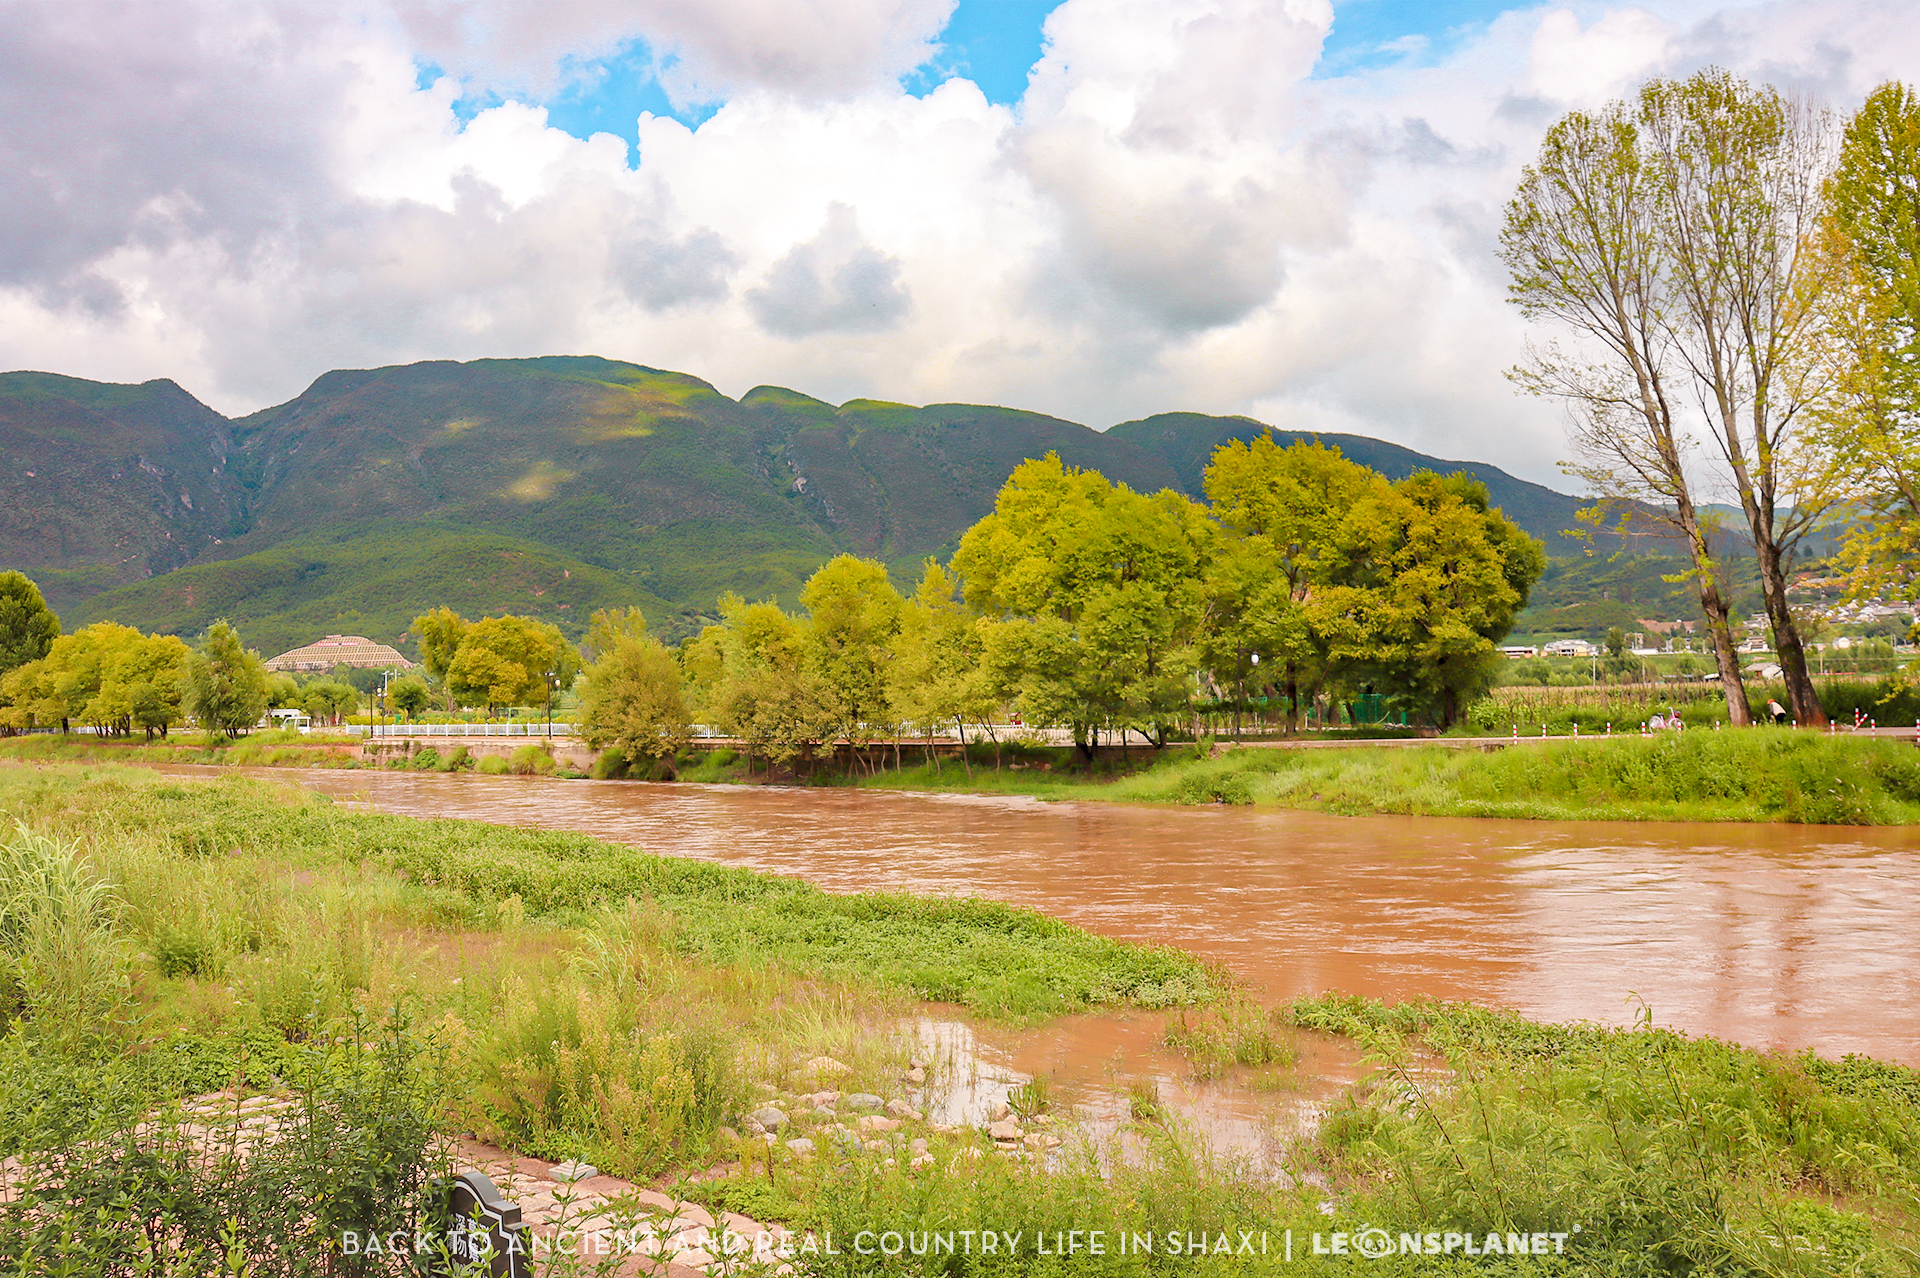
(801, 1146)
(917, 1076)
(727, 1134)
(918, 1062)
(921, 1160)
(918, 1145)
(875, 1123)
(1002, 1111)
(1041, 1140)
(864, 1100)
(900, 1109)
(572, 1171)
(770, 1117)
(825, 1067)
(823, 1113)
(943, 1129)
(753, 1125)
(1005, 1129)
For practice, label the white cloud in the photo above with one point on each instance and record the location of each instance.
(1176, 216)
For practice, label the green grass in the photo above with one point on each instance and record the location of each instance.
(998, 959)
(1672, 1154)
(1755, 775)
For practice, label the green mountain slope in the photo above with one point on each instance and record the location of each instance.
(549, 486)
(102, 484)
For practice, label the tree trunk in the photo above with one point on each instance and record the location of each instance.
(1714, 604)
(1803, 700)
(960, 726)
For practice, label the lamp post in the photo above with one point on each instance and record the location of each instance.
(553, 681)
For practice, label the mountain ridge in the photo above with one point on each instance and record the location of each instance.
(550, 485)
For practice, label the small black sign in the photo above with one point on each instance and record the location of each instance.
(484, 1238)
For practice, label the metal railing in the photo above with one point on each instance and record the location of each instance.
(540, 728)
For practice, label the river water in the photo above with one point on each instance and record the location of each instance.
(1774, 936)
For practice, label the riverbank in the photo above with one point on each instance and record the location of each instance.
(1749, 775)
(397, 980)
(1753, 775)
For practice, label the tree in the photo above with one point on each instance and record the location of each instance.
(328, 699)
(409, 697)
(108, 676)
(1742, 169)
(27, 626)
(1420, 605)
(1094, 596)
(1874, 203)
(936, 676)
(1283, 512)
(750, 679)
(440, 633)
(225, 683)
(1584, 241)
(509, 661)
(853, 619)
(633, 700)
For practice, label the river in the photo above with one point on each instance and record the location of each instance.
(1776, 936)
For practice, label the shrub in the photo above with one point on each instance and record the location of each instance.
(61, 964)
(531, 760)
(461, 760)
(609, 765)
(493, 766)
(427, 760)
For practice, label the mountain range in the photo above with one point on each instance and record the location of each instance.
(549, 486)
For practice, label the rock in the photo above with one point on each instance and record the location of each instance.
(944, 1129)
(917, 1076)
(727, 1134)
(825, 1067)
(1002, 1111)
(1040, 1140)
(1005, 1129)
(864, 1100)
(918, 1145)
(1043, 1118)
(802, 1146)
(753, 1125)
(843, 1135)
(823, 1113)
(770, 1118)
(918, 1062)
(900, 1109)
(875, 1123)
(921, 1160)
(571, 1171)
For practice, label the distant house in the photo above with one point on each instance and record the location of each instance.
(1571, 648)
(353, 651)
(1518, 652)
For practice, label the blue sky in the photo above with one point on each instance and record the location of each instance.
(995, 43)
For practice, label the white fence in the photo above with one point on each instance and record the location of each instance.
(539, 729)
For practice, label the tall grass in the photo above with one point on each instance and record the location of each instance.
(1669, 1153)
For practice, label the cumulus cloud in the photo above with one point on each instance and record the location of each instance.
(1179, 214)
(836, 282)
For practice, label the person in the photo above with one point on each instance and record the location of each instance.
(1776, 711)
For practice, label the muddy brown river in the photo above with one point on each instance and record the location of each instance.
(1775, 936)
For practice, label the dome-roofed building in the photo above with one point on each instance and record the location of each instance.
(353, 651)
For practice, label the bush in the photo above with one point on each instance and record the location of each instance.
(531, 760)
(609, 765)
(427, 760)
(493, 766)
(461, 760)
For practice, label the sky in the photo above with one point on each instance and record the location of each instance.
(1099, 209)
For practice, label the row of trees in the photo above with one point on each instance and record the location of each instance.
(1080, 603)
(1737, 276)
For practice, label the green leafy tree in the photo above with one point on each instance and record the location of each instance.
(936, 676)
(847, 643)
(633, 700)
(27, 626)
(510, 661)
(1284, 512)
(750, 679)
(439, 633)
(1421, 603)
(409, 697)
(225, 683)
(1095, 596)
(1874, 202)
(328, 700)
(107, 676)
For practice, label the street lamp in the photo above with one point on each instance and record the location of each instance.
(553, 681)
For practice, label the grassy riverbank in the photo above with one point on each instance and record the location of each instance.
(1752, 775)
(390, 978)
